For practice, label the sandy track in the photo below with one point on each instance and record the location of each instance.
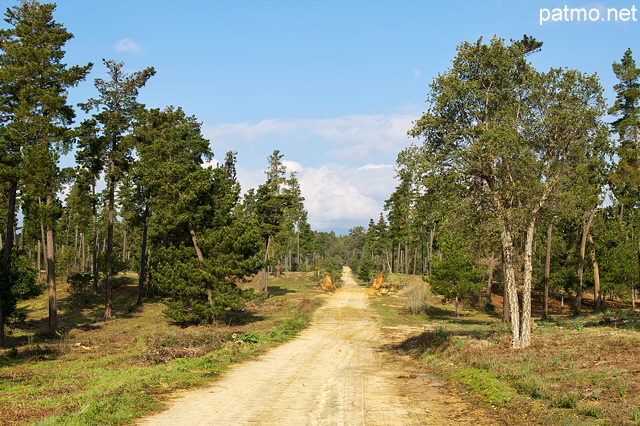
(334, 373)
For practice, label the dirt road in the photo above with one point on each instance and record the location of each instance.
(334, 373)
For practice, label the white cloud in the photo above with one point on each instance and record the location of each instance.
(376, 166)
(336, 196)
(292, 166)
(129, 46)
(211, 163)
(362, 136)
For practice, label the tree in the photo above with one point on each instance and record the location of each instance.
(626, 176)
(117, 106)
(199, 246)
(627, 108)
(273, 199)
(508, 136)
(400, 207)
(454, 276)
(33, 86)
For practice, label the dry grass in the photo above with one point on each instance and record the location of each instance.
(578, 369)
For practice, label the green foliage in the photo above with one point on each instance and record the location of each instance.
(17, 282)
(203, 291)
(367, 268)
(79, 283)
(454, 276)
(196, 296)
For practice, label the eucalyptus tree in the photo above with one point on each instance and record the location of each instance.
(34, 113)
(508, 136)
(116, 108)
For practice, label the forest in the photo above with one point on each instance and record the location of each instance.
(140, 197)
(519, 181)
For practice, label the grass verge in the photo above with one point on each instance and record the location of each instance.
(96, 372)
(579, 370)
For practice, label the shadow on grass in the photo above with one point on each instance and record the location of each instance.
(275, 290)
(233, 318)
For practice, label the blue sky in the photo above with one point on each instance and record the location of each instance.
(334, 85)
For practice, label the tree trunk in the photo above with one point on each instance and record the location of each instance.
(393, 257)
(510, 284)
(9, 231)
(66, 244)
(457, 306)
(265, 274)
(194, 241)
(492, 267)
(44, 241)
(634, 300)
(38, 257)
(124, 245)
(8, 242)
(506, 317)
(109, 272)
(75, 251)
(82, 254)
(415, 260)
(583, 249)
(432, 232)
(547, 273)
(143, 260)
(597, 295)
(298, 248)
(51, 270)
(525, 325)
(406, 258)
(94, 255)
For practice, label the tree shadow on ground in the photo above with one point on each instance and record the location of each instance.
(240, 317)
(275, 290)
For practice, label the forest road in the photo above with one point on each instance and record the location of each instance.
(336, 372)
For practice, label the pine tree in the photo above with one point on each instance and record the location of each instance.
(117, 107)
(33, 86)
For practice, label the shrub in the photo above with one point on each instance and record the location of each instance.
(416, 298)
(79, 283)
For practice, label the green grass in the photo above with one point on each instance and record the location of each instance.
(96, 372)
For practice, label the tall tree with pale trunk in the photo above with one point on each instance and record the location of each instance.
(509, 136)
